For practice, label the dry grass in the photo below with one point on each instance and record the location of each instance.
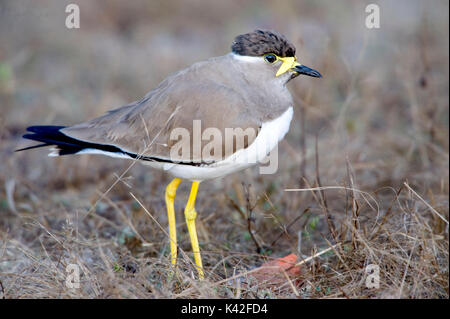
(375, 187)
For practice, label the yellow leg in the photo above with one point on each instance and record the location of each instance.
(171, 191)
(190, 215)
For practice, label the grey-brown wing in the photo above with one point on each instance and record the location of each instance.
(157, 125)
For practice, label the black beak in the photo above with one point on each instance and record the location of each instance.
(301, 69)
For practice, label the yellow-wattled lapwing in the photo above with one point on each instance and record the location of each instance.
(181, 126)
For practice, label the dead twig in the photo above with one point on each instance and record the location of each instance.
(250, 219)
(425, 202)
(331, 226)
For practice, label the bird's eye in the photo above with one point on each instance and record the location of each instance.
(270, 58)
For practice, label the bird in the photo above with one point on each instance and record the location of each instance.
(211, 119)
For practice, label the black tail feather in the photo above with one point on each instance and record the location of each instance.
(45, 129)
(51, 135)
(31, 147)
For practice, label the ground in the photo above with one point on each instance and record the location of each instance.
(367, 154)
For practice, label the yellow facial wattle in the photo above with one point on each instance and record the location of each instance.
(288, 63)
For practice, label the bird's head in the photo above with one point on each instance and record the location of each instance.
(272, 51)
